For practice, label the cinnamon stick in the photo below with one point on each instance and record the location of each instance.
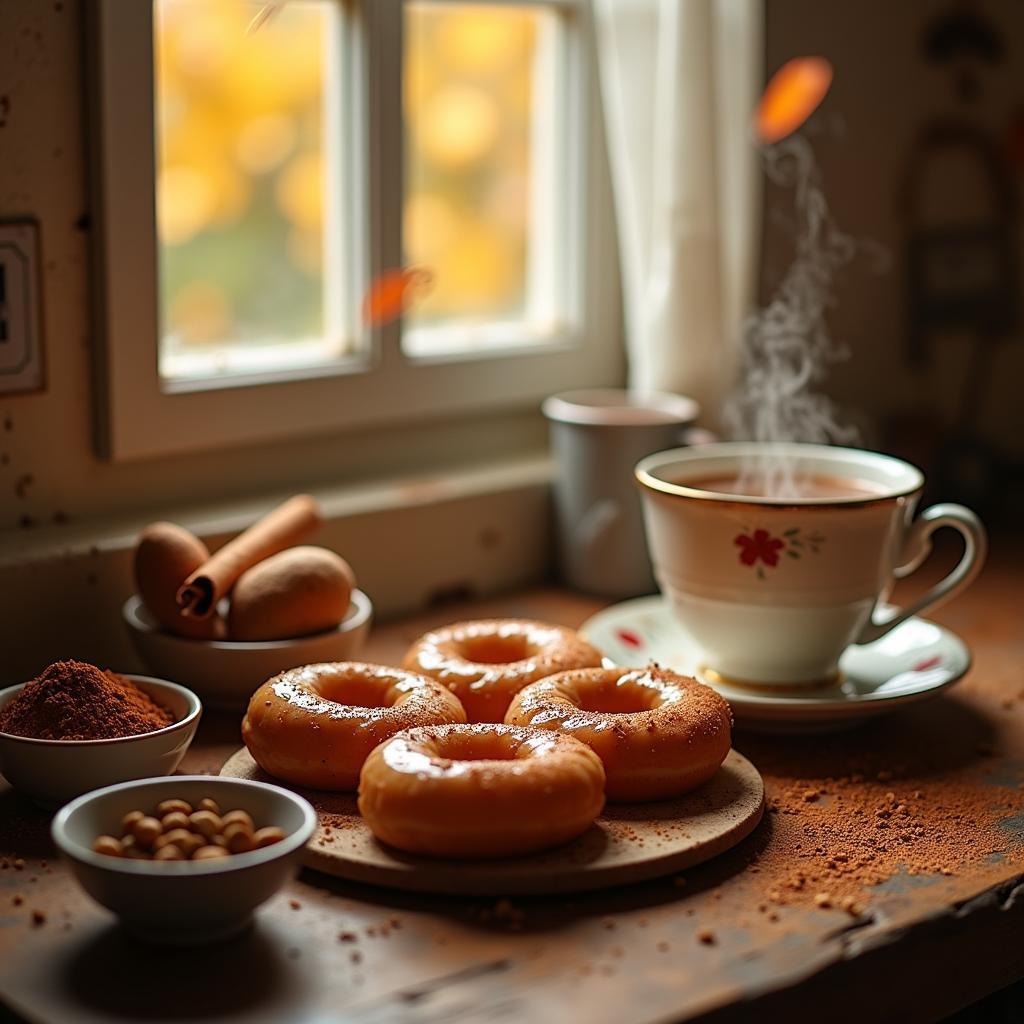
(285, 526)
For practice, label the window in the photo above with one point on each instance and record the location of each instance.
(250, 237)
(255, 176)
(483, 147)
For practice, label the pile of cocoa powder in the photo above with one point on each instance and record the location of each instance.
(73, 700)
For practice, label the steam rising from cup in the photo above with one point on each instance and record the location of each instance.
(786, 346)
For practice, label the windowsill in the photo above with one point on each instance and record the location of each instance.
(411, 540)
(212, 520)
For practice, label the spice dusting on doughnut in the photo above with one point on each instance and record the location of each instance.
(659, 734)
(487, 661)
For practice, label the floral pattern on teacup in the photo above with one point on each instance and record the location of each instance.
(758, 548)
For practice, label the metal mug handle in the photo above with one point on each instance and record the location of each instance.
(918, 546)
(595, 526)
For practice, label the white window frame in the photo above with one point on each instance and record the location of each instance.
(138, 416)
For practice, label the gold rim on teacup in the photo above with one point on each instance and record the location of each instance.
(645, 477)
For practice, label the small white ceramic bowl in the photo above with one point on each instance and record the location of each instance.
(226, 672)
(54, 771)
(181, 902)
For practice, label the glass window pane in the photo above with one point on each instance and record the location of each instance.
(480, 113)
(248, 234)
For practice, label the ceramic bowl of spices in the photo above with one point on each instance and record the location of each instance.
(226, 672)
(181, 901)
(76, 728)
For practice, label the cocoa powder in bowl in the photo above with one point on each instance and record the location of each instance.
(73, 700)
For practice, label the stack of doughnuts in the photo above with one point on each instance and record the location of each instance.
(497, 738)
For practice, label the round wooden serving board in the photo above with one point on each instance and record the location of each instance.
(628, 843)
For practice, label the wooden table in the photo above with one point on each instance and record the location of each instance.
(744, 936)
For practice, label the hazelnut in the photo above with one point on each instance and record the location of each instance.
(267, 836)
(179, 837)
(168, 806)
(206, 804)
(206, 823)
(129, 820)
(146, 831)
(175, 820)
(169, 852)
(239, 816)
(108, 845)
(210, 853)
(238, 837)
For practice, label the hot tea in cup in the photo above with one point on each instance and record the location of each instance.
(776, 557)
(817, 485)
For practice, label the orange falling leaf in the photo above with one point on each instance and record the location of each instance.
(392, 292)
(791, 96)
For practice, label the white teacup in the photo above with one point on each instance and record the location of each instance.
(773, 590)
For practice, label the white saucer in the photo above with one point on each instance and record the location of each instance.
(916, 661)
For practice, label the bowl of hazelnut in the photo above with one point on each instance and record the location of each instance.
(184, 859)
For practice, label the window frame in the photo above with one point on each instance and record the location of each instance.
(138, 416)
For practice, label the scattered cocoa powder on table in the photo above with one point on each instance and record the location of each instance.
(72, 700)
(858, 832)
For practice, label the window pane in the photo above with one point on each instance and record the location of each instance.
(248, 235)
(480, 112)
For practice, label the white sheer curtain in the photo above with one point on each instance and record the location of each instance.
(679, 80)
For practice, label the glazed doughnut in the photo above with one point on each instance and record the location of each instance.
(486, 663)
(657, 733)
(482, 790)
(315, 725)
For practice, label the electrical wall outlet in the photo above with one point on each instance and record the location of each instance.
(21, 333)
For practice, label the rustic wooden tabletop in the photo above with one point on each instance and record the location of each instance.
(887, 883)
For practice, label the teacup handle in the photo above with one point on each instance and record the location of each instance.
(918, 546)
